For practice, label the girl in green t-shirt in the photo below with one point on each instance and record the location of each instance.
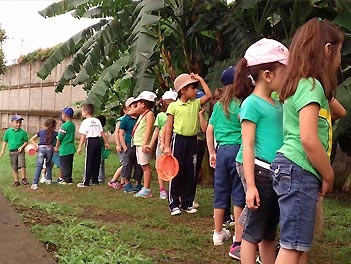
(301, 169)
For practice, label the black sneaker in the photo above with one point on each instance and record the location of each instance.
(16, 183)
(189, 210)
(24, 181)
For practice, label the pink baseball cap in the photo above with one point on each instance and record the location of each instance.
(266, 51)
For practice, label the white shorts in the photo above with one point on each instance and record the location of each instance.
(142, 157)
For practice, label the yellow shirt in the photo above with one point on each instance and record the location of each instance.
(186, 116)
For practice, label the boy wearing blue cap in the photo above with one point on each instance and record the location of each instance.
(17, 139)
(65, 143)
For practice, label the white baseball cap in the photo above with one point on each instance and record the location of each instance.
(170, 95)
(129, 101)
(146, 95)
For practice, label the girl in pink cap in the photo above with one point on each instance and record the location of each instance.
(301, 169)
(261, 117)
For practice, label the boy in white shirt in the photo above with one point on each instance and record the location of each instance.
(91, 131)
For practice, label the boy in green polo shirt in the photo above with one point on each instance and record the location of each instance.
(17, 139)
(65, 143)
(183, 122)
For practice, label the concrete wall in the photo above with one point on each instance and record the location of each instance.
(24, 93)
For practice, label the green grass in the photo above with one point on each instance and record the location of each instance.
(103, 225)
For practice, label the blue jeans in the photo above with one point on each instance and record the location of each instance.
(44, 152)
(297, 191)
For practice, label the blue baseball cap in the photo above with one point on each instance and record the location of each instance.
(199, 94)
(68, 111)
(17, 118)
(228, 74)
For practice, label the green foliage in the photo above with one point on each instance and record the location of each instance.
(2, 55)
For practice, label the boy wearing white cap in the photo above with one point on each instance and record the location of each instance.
(141, 136)
(160, 121)
(183, 122)
(17, 139)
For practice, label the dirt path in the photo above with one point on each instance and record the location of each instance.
(17, 244)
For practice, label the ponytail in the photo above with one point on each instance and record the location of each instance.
(50, 125)
(242, 86)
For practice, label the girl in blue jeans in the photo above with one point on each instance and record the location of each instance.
(301, 170)
(45, 147)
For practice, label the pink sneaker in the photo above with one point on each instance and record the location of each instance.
(113, 184)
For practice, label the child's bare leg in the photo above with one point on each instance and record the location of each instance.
(117, 174)
(218, 216)
(161, 183)
(267, 251)
(15, 175)
(303, 259)
(287, 256)
(23, 172)
(248, 252)
(147, 175)
(238, 227)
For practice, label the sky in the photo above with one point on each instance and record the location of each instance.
(28, 31)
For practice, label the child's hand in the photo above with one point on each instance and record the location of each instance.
(119, 148)
(167, 151)
(196, 76)
(146, 149)
(107, 146)
(202, 110)
(2, 153)
(79, 150)
(252, 198)
(327, 185)
(20, 149)
(55, 149)
(162, 147)
(213, 160)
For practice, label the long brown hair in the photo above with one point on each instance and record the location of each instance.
(307, 56)
(50, 125)
(243, 84)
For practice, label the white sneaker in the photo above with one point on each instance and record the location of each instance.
(48, 182)
(189, 210)
(34, 186)
(42, 179)
(176, 211)
(81, 185)
(219, 238)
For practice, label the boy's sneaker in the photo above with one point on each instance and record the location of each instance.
(138, 187)
(34, 186)
(81, 185)
(234, 252)
(176, 211)
(48, 182)
(258, 260)
(42, 179)
(16, 183)
(163, 195)
(189, 210)
(63, 183)
(112, 184)
(144, 193)
(218, 238)
(24, 181)
(128, 188)
(229, 222)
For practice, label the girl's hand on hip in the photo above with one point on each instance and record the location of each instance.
(253, 198)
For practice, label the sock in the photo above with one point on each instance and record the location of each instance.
(237, 244)
(162, 189)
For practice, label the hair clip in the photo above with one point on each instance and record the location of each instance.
(320, 19)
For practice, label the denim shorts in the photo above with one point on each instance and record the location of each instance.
(226, 179)
(297, 191)
(261, 224)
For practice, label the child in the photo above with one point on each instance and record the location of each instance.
(301, 169)
(129, 157)
(113, 182)
(65, 145)
(101, 177)
(160, 121)
(261, 119)
(17, 139)
(183, 122)
(141, 134)
(45, 147)
(225, 126)
(91, 131)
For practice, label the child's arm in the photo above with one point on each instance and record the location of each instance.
(154, 137)
(81, 142)
(336, 109)
(4, 144)
(21, 148)
(58, 143)
(150, 120)
(121, 139)
(248, 131)
(168, 135)
(203, 121)
(103, 135)
(33, 139)
(308, 117)
(210, 145)
(118, 143)
(208, 94)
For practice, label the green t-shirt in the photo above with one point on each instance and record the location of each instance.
(305, 95)
(140, 131)
(160, 121)
(66, 136)
(227, 131)
(269, 126)
(15, 138)
(186, 116)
